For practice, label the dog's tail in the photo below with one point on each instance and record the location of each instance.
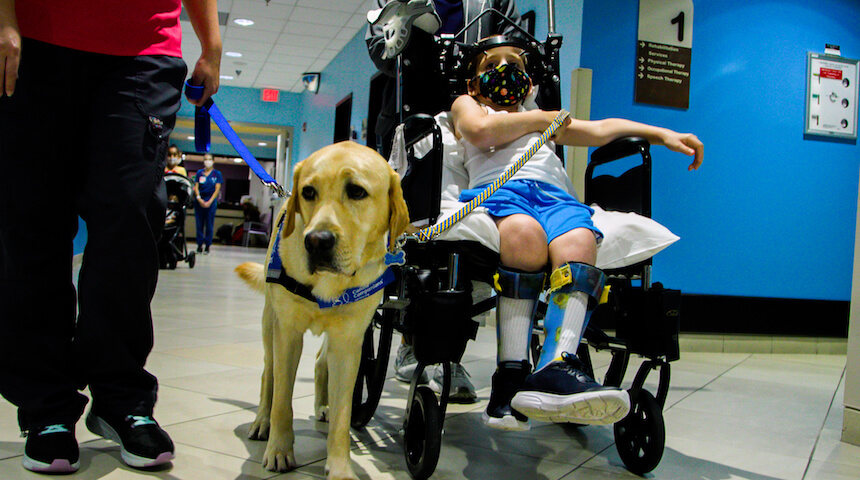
(254, 274)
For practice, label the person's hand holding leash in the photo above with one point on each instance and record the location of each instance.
(204, 19)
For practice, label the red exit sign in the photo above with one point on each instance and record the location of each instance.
(270, 95)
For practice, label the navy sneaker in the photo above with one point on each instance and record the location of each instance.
(507, 380)
(142, 442)
(52, 449)
(562, 393)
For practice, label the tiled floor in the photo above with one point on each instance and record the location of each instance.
(728, 415)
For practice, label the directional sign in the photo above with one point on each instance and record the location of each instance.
(663, 52)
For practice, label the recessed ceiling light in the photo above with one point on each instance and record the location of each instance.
(243, 22)
(226, 77)
(237, 160)
(190, 137)
(262, 144)
(233, 54)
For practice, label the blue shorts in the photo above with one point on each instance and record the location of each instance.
(557, 211)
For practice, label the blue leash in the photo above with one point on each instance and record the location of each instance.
(202, 136)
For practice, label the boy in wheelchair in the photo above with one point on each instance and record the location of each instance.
(541, 223)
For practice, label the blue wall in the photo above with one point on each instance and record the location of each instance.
(349, 72)
(770, 213)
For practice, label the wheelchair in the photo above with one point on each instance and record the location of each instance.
(431, 300)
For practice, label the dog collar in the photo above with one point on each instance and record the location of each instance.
(275, 273)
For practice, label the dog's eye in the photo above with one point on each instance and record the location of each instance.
(309, 193)
(355, 192)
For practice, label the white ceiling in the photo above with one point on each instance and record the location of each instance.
(288, 38)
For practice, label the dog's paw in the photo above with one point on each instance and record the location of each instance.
(336, 470)
(276, 460)
(322, 413)
(259, 429)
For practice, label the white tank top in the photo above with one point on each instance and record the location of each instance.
(485, 166)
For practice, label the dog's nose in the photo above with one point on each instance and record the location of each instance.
(319, 241)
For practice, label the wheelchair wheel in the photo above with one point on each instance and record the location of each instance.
(190, 258)
(423, 434)
(641, 436)
(371, 370)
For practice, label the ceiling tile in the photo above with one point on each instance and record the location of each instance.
(292, 50)
(258, 9)
(312, 29)
(314, 43)
(349, 6)
(322, 17)
(252, 35)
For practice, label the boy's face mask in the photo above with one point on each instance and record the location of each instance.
(504, 85)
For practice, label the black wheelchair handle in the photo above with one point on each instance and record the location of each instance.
(620, 148)
(416, 127)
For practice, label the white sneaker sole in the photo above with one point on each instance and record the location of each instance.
(589, 408)
(101, 428)
(508, 423)
(58, 466)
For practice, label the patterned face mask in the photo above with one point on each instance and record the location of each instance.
(504, 85)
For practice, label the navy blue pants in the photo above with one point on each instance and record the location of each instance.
(205, 218)
(83, 135)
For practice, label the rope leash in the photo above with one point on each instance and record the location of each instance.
(202, 136)
(429, 233)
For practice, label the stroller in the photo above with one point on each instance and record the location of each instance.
(172, 247)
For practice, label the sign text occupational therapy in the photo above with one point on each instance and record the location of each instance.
(664, 51)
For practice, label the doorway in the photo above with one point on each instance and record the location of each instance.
(342, 117)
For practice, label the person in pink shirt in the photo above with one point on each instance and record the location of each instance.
(89, 91)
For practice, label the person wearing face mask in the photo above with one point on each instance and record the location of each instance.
(174, 158)
(540, 222)
(207, 186)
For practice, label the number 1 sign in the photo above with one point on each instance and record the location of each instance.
(663, 52)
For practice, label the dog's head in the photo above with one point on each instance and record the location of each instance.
(348, 198)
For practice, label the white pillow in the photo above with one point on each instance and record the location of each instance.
(628, 238)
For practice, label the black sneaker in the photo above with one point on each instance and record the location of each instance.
(507, 380)
(142, 442)
(199, 248)
(52, 449)
(206, 250)
(562, 393)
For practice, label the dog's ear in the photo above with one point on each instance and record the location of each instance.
(293, 203)
(398, 214)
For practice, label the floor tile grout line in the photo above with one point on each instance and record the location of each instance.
(698, 389)
(823, 423)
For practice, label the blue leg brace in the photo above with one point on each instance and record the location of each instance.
(569, 278)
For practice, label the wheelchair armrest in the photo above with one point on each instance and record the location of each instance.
(416, 127)
(620, 148)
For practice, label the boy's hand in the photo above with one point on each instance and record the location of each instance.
(688, 144)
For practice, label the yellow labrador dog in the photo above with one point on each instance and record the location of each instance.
(345, 205)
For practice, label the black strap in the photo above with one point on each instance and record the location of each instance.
(292, 285)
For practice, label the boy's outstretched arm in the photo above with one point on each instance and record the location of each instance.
(600, 132)
(482, 130)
